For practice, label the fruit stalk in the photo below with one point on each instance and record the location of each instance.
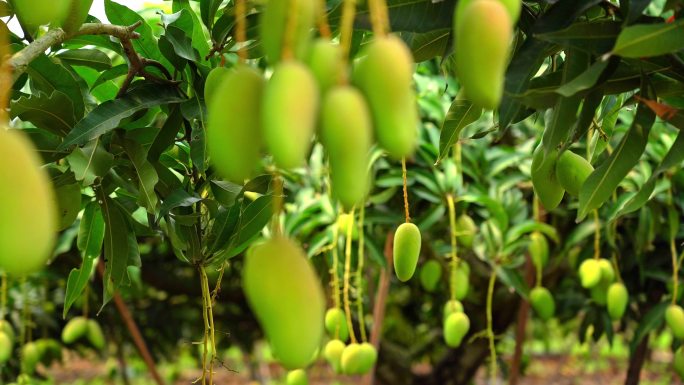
(597, 236)
(240, 28)
(277, 203)
(210, 311)
(490, 328)
(403, 177)
(359, 277)
(5, 77)
(334, 269)
(346, 29)
(205, 342)
(453, 264)
(347, 273)
(323, 26)
(675, 270)
(290, 31)
(379, 17)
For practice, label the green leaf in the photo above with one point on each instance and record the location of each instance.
(460, 114)
(255, 217)
(223, 228)
(594, 37)
(426, 46)
(109, 114)
(166, 136)
(512, 278)
(208, 10)
(404, 15)
(146, 44)
(92, 58)
(182, 44)
(650, 322)
(90, 238)
(634, 9)
(517, 231)
(111, 74)
(495, 208)
(645, 40)
(600, 185)
(178, 198)
(90, 162)
(147, 176)
(53, 113)
(48, 76)
(583, 81)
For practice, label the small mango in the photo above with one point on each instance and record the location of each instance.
(543, 172)
(353, 359)
(618, 299)
(34, 13)
(76, 328)
(30, 356)
(430, 274)
(571, 171)
(465, 231)
(333, 354)
(590, 273)
(95, 335)
(538, 249)
(542, 303)
(452, 306)
(406, 250)
(5, 347)
(76, 15)
(327, 66)
(678, 362)
(460, 282)
(368, 357)
(456, 326)
(607, 271)
(674, 316)
(297, 377)
(274, 27)
(336, 324)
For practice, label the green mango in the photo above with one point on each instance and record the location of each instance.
(76, 328)
(483, 34)
(345, 220)
(571, 171)
(368, 357)
(590, 273)
(512, 6)
(599, 293)
(297, 377)
(34, 13)
(406, 250)
(213, 81)
(353, 359)
(607, 272)
(30, 356)
(289, 113)
(5, 347)
(678, 362)
(456, 326)
(430, 274)
(346, 133)
(452, 306)
(69, 204)
(385, 74)
(291, 311)
(326, 64)
(465, 230)
(543, 172)
(542, 303)
(28, 216)
(95, 335)
(618, 299)
(460, 282)
(336, 324)
(674, 316)
(274, 24)
(538, 249)
(6, 328)
(76, 15)
(234, 124)
(333, 354)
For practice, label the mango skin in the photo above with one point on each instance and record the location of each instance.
(538, 249)
(5, 347)
(369, 357)
(452, 306)
(590, 273)
(6, 328)
(336, 324)
(274, 23)
(465, 229)
(34, 13)
(76, 15)
(460, 282)
(30, 356)
(333, 354)
(456, 326)
(430, 274)
(234, 124)
(346, 133)
(28, 214)
(513, 7)
(76, 328)
(607, 271)
(406, 250)
(212, 82)
(289, 310)
(543, 172)
(325, 62)
(297, 377)
(385, 76)
(483, 33)
(571, 172)
(674, 316)
(352, 359)
(542, 303)
(618, 299)
(69, 204)
(289, 113)
(95, 335)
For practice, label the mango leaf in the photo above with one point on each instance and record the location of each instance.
(600, 185)
(512, 278)
(517, 231)
(650, 322)
(53, 113)
(253, 219)
(208, 10)
(460, 114)
(92, 58)
(111, 74)
(634, 9)
(147, 176)
(583, 81)
(178, 198)
(645, 40)
(48, 77)
(166, 136)
(146, 45)
(404, 15)
(182, 44)
(426, 46)
(109, 114)
(224, 226)
(593, 37)
(494, 207)
(90, 238)
(90, 162)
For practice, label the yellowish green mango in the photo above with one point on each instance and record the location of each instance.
(384, 75)
(452, 306)
(95, 335)
(289, 113)
(618, 299)
(607, 271)
(234, 124)
(406, 250)
(512, 6)
(326, 64)
(290, 311)
(538, 249)
(543, 172)
(6, 328)
(333, 354)
(460, 281)
(674, 316)
(5, 347)
(590, 273)
(368, 357)
(336, 324)
(346, 133)
(430, 274)
(352, 359)
(34, 13)
(68, 203)
(30, 356)
(571, 171)
(465, 230)
(297, 377)
(456, 326)
(76, 15)
(76, 328)
(274, 25)
(213, 81)
(28, 216)
(483, 34)
(542, 303)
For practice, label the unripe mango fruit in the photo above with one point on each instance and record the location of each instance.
(674, 316)
(460, 282)
(538, 249)
(5, 347)
(297, 377)
(430, 274)
(76, 15)
(590, 273)
(465, 230)
(678, 362)
(452, 306)
(571, 171)
(213, 81)
(234, 123)
(352, 359)
(291, 311)
(333, 354)
(95, 335)
(30, 356)
(369, 357)
(618, 299)
(346, 133)
(28, 216)
(406, 250)
(274, 26)
(336, 324)
(543, 172)
(326, 64)
(34, 13)
(456, 326)
(542, 303)
(607, 272)
(483, 33)
(289, 113)
(76, 328)
(68, 203)
(385, 76)
(512, 6)
(6, 328)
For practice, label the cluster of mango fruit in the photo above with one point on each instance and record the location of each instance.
(65, 14)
